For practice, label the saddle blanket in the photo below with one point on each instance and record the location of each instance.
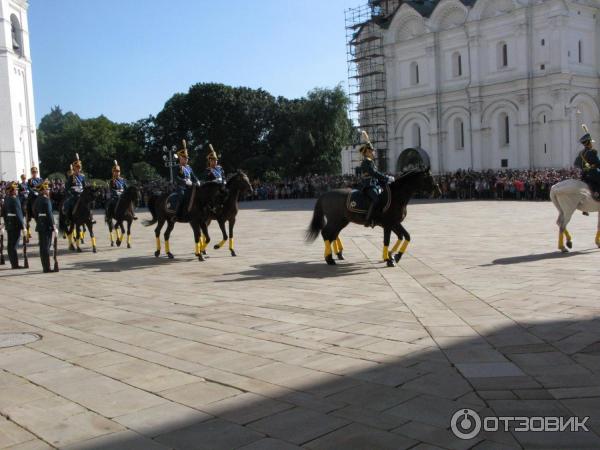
(357, 202)
(171, 203)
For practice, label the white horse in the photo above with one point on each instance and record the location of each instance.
(568, 196)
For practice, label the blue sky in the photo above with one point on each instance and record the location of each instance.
(125, 58)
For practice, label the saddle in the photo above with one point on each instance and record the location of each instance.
(358, 203)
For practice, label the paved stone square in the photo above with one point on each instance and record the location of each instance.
(274, 349)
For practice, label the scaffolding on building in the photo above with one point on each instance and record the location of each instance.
(366, 72)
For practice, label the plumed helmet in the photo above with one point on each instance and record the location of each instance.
(12, 186)
(413, 159)
(211, 154)
(77, 162)
(587, 137)
(364, 137)
(116, 167)
(183, 151)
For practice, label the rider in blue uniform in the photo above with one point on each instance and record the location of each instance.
(74, 186)
(372, 181)
(589, 163)
(33, 182)
(23, 191)
(215, 173)
(184, 179)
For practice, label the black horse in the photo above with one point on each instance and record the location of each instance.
(119, 211)
(197, 215)
(81, 216)
(237, 184)
(337, 208)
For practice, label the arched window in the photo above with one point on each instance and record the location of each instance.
(459, 134)
(414, 73)
(416, 135)
(17, 35)
(502, 55)
(457, 70)
(504, 127)
(580, 51)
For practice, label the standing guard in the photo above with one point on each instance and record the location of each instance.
(184, 179)
(45, 225)
(74, 186)
(14, 223)
(372, 180)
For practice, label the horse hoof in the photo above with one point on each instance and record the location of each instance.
(79, 250)
(157, 253)
(390, 262)
(564, 250)
(82, 242)
(170, 255)
(94, 250)
(397, 257)
(329, 260)
(128, 245)
(118, 243)
(569, 244)
(216, 247)
(200, 257)
(72, 248)
(340, 256)
(233, 253)
(112, 244)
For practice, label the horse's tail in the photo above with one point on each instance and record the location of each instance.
(152, 208)
(317, 223)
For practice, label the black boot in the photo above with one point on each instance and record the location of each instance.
(369, 222)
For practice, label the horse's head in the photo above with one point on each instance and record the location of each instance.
(239, 180)
(132, 192)
(417, 180)
(88, 193)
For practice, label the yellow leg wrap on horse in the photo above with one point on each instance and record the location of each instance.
(70, 237)
(340, 246)
(129, 238)
(386, 253)
(94, 241)
(561, 240)
(158, 244)
(221, 244)
(404, 246)
(28, 233)
(230, 243)
(167, 247)
(597, 236)
(110, 237)
(396, 246)
(81, 235)
(567, 235)
(334, 247)
(327, 248)
(203, 243)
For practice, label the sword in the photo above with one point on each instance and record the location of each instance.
(55, 244)
(2, 248)
(25, 260)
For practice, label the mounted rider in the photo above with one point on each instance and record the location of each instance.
(34, 182)
(185, 179)
(215, 173)
(589, 163)
(74, 186)
(118, 185)
(372, 181)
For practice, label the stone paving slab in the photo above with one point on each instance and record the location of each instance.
(274, 349)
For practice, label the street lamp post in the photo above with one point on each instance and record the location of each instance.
(169, 159)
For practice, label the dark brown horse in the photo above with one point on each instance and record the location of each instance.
(196, 215)
(335, 210)
(81, 216)
(237, 184)
(121, 210)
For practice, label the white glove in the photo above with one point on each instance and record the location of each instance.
(198, 183)
(391, 179)
(188, 182)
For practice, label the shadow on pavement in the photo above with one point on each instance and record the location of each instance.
(407, 396)
(539, 257)
(292, 269)
(126, 263)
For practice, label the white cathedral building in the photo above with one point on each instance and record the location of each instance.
(490, 84)
(18, 140)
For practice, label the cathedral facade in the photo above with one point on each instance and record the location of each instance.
(490, 84)
(18, 140)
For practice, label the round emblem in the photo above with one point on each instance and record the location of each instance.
(353, 204)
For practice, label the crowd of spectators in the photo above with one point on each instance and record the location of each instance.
(460, 185)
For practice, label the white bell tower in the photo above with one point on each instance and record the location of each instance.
(18, 140)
